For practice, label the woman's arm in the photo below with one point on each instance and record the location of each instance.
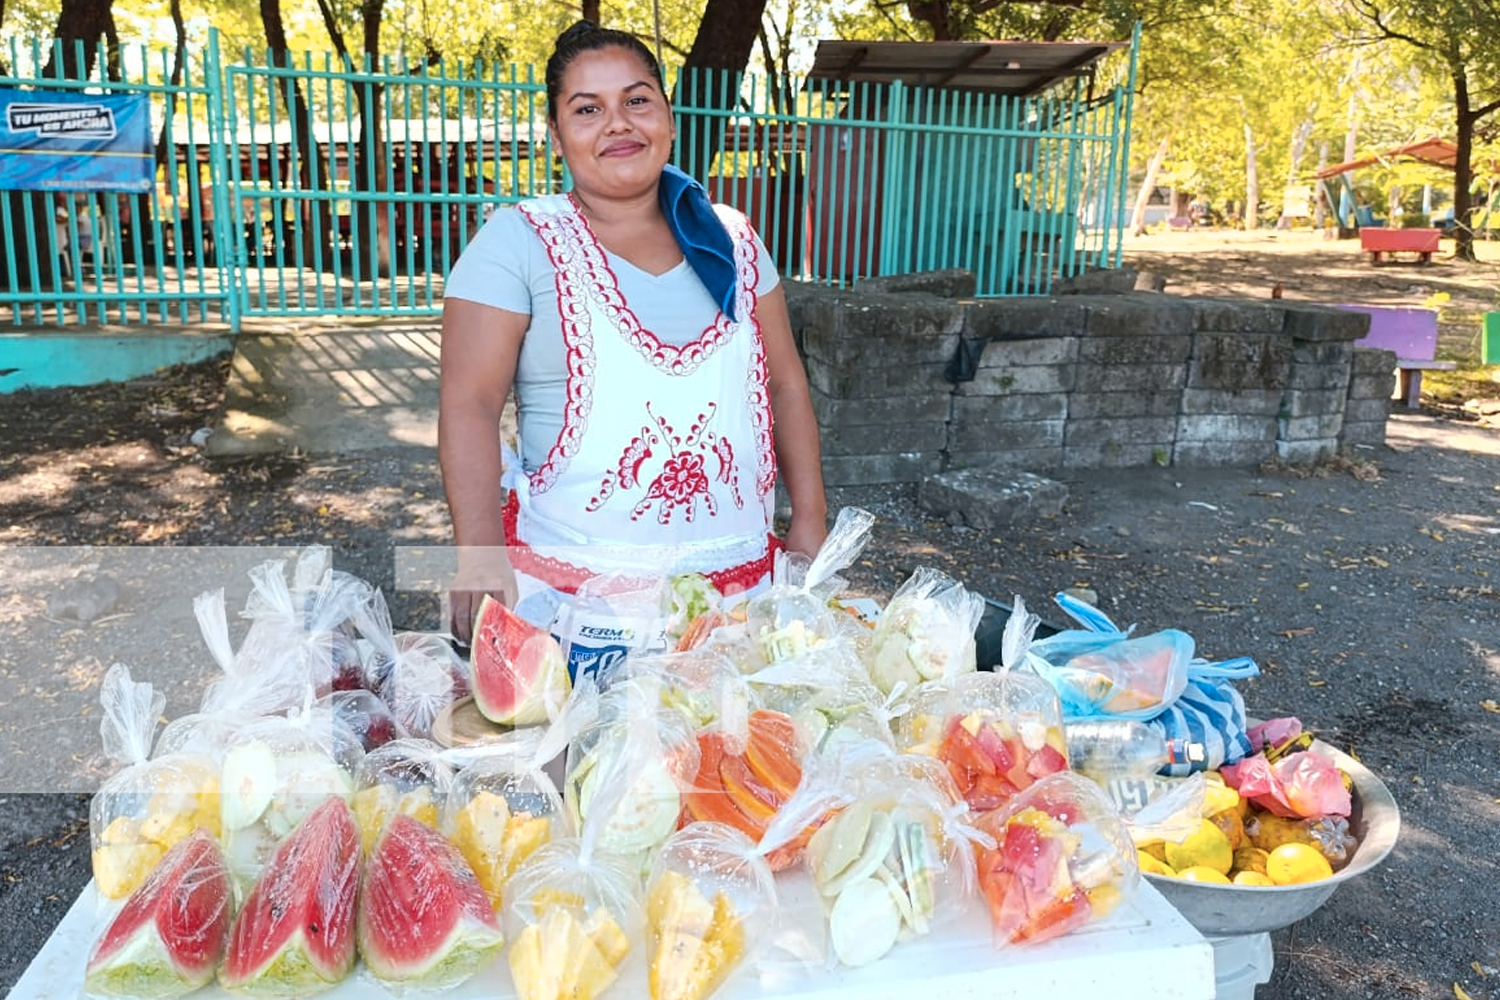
(798, 452)
(480, 348)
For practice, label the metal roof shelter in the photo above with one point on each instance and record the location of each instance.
(1016, 69)
(1439, 152)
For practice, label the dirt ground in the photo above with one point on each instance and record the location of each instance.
(1365, 589)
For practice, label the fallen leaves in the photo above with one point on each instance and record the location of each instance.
(1458, 991)
(1296, 633)
(1491, 706)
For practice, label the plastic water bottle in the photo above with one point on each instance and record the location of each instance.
(1110, 749)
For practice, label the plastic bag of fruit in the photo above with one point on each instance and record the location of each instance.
(1302, 785)
(793, 614)
(410, 777)
(745, 772)
(503, 805)
(274, 772)
(1103, 670)
(417, 674)
(702, 683)
(574, 908)
(364, 715)
(828, 692)
(926, 631)
(249, 686)
(308, 621)
(626, 768)
(997, 733)
(1061, 859)
(887, 846)
(151, 804)
(711, 903)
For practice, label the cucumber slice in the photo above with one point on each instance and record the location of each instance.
(864, 922)
(879, 840)
(919, 875)
(847, 833)
(247, 783)
(647, 813)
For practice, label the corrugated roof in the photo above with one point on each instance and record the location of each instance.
(1016, 68)
(1437, 151)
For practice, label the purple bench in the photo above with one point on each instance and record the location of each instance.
(1412, 334)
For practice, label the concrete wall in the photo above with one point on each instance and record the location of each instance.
(1079, 381)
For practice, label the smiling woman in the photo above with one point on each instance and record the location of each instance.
(646, 336)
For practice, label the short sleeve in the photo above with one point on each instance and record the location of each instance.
(767, 277)
(495, 268)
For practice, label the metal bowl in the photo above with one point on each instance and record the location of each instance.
(1223, 910)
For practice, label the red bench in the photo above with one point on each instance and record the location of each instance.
(1375, 242)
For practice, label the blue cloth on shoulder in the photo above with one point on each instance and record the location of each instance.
(705, 242)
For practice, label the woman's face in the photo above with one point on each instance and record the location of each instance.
(614, 126)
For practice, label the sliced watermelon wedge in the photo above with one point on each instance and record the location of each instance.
(423, 916)
(295, 934)
(518, 668)
(168, 938)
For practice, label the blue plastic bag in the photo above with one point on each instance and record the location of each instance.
(1206, 708)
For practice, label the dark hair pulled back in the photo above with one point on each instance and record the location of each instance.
(586, 36)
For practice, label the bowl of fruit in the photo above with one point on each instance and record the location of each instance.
(1300, 877)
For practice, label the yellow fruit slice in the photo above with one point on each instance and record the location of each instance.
(1293, 864)
(1206, 847)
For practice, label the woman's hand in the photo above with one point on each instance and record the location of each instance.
(806, 534)
(481, 572)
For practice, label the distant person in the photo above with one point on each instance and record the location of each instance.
(648, 340)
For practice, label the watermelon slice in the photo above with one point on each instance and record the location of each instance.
(518, 668)
(169, 936)
(295, 934)
(423, 917)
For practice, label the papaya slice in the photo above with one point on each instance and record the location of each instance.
(706, 800)
(771, 752)
(754, 800)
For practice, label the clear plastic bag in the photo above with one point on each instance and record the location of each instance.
(690, 605)
(308, 622)
(626, 769)
(745, 775)
(926, 632)
(364, 715)
(416, 674)
(503, 807)
(574, 912)
(997, 733)
(151, 804)
(409, 777)
(711, 903)
(889, 847)
(792, 615)
(609, 619)
(274, 773)
(1061, 859)
(250, 686)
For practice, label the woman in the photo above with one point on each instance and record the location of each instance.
(649, 343)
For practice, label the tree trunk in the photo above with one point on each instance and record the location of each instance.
(1299, 147)
(85, 21)
(589, 10)
(1143, 197)
(1463, 170)
(1320, 189)
(710, 78)
(312, 166)
(1252, 182)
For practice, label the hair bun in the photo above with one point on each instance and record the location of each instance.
(578, 32)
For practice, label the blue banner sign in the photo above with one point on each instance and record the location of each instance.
(63, 140)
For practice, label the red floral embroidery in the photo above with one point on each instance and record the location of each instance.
(683, 483)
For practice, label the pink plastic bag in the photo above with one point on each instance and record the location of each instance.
(1304, 785)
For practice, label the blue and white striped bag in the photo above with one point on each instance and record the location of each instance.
(1209, 712)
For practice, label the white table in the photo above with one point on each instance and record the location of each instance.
(1145, 949)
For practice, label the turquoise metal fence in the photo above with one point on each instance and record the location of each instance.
(308, 186)
(99, 258)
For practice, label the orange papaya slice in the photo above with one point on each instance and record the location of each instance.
(771, 752)
(753, 799)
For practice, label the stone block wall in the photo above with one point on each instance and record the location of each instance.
(910, 383)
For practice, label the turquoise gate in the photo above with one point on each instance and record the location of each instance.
(308, 187)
